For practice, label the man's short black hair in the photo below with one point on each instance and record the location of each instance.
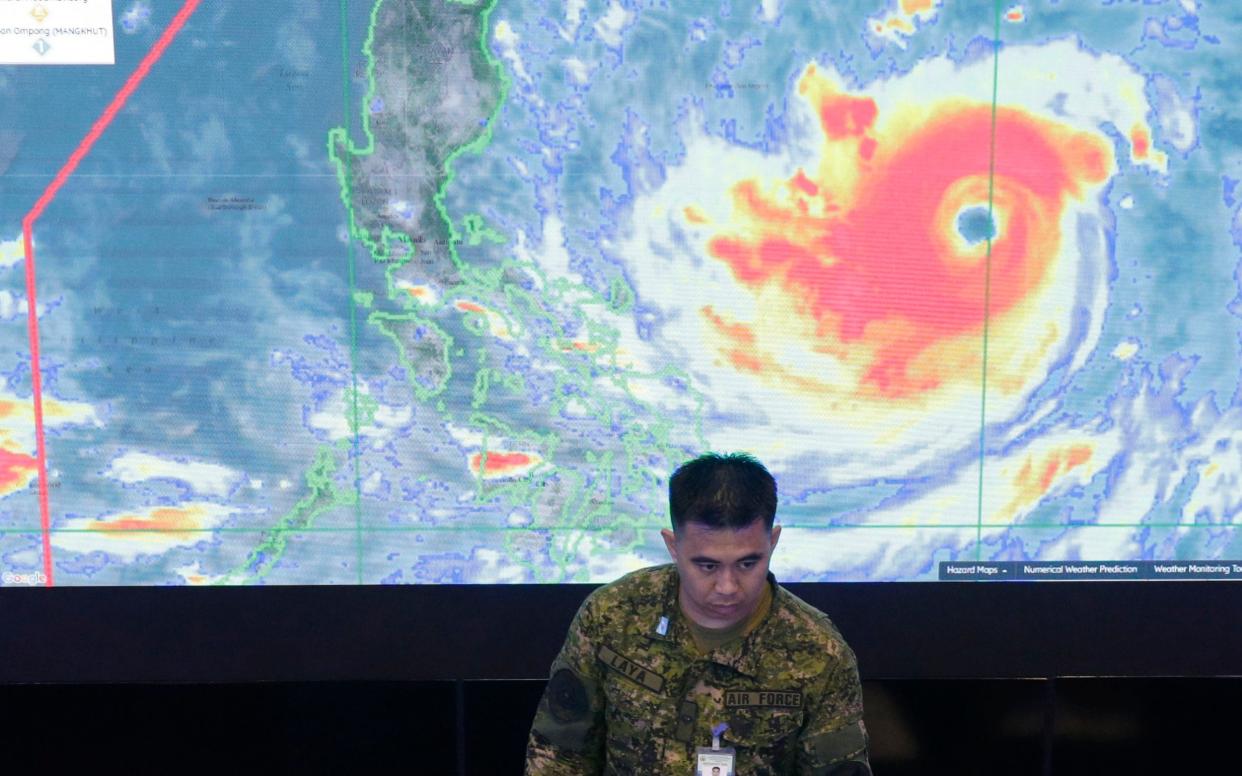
(722, 491)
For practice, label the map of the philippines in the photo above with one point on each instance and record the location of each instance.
(423, 291)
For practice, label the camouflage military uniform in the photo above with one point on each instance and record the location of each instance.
(630, 694)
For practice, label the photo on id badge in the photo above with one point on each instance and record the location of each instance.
(714, 764)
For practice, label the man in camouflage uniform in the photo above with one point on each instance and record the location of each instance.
(656, 659)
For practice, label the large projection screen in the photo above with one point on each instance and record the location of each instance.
(428, 291)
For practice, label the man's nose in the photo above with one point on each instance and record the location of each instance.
(726, 582)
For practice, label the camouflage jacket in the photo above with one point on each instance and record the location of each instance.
(629, 693)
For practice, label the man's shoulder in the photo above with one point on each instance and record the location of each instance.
(803, 626)
(647, 586)
(627, 605)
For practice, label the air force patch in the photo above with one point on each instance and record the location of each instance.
(778, 698)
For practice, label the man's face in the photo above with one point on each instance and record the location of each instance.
(723, 571)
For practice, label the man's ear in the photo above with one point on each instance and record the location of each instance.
(670, 542)
(776, 535)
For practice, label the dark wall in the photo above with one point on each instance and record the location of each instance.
(443, 680)
(424, 632)
(961, 727)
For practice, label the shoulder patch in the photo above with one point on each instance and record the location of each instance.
(629, 669)
(567, 697)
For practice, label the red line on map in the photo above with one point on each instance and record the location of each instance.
(79, 153)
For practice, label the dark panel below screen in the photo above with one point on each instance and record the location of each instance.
(262, 728)
(414, 633)
(1066, 727)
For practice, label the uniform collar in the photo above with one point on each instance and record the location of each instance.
(740, 656)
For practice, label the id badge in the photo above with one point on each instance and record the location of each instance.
(714, 762)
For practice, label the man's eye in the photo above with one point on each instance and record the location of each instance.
(749, 564)
(707, 567)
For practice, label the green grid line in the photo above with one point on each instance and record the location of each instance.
(353, 287)
(987, 275)
(564, 529)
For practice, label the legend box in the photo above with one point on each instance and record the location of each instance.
(56, 32)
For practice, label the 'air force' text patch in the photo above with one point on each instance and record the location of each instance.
(785, 700)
